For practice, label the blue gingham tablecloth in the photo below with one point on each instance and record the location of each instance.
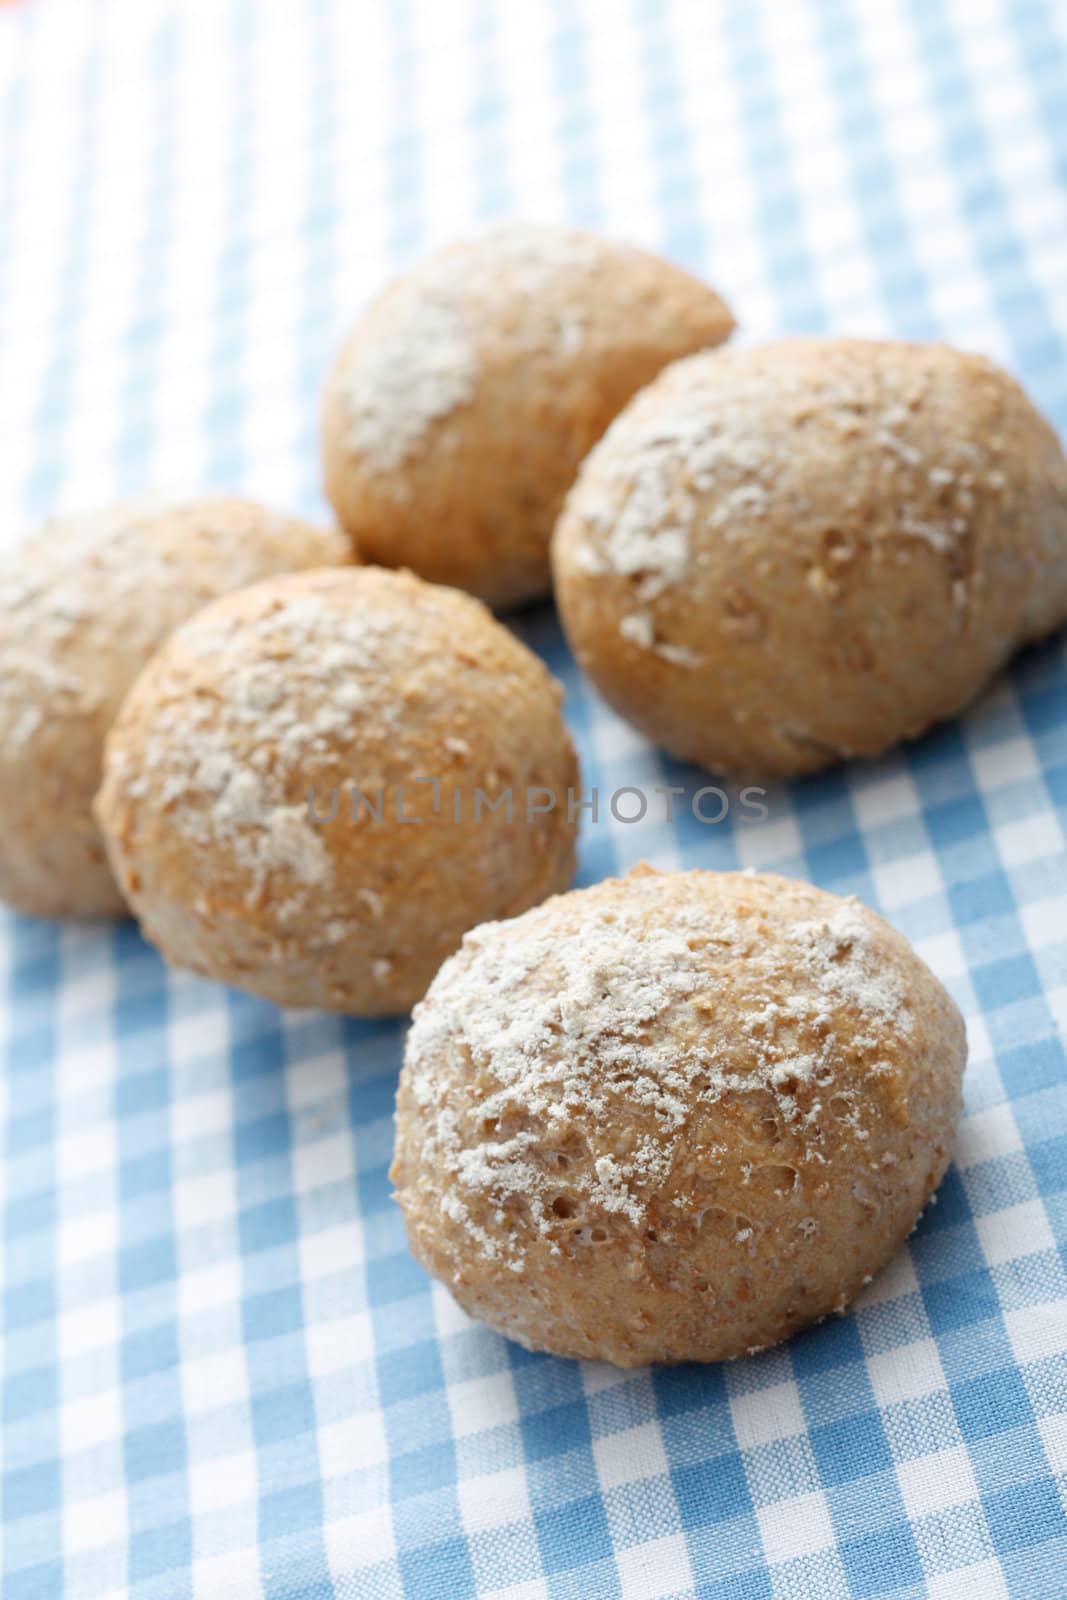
(222, 1374)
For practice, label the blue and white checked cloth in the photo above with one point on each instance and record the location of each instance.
(223, 1376)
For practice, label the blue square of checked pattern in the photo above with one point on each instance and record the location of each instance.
(444, 1567)
(573, 1534)
(854, 1447)
(882, 1562)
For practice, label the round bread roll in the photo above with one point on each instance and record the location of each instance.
(320, 783)
(785, 555)
(674, 1117)
(83, 605)
(457, 413)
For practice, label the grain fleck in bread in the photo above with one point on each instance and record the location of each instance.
(674, 1117)
(788, 554)
(457, 413)
(259, 774)
(82, 607)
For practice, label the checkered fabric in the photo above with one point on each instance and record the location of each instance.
(223, 1376)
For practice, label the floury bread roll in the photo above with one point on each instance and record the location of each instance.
(674, 1117)
(457, 413)
(319, 784)
(789, 554)
(82, 607)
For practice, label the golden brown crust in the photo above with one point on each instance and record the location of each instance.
(256, 779)
(788, 554)
(456, 415)
(83, 605)
(675, 1116)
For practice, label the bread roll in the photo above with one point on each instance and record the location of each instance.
(457, 413)
(789, 554)
(82, 607)
(307, 791)
(674, 1117)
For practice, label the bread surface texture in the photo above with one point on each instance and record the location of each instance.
(794, 553)
(457, 413)
(674, 1117)
(305, 794)
(83, 605)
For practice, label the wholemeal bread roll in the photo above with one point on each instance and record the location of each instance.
(789, 554)
(674, 1117)
(320, 783)
(457, 413)
(82, 607)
